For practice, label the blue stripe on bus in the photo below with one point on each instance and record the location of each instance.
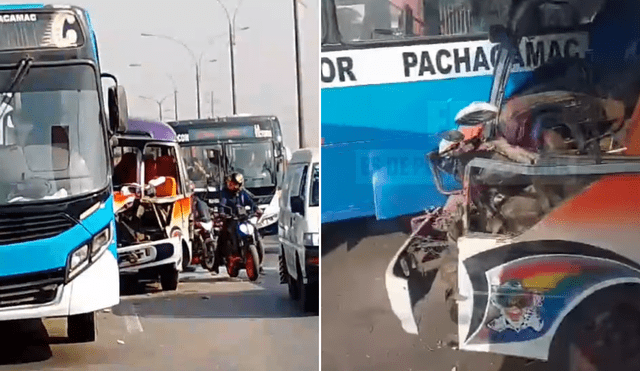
(92, 37)
(357, 121)
(100, 220)
(418, 107)
(352, 194)
(20, 6)
(52, 253)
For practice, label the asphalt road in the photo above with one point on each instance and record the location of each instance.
(359, 330)
(210, 323)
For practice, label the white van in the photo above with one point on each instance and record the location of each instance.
(299, 227)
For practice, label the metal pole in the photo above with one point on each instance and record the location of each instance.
(198, 86)
(175, 103)
(233, 76)
(193, 56)
(160, 109)
(301, 135)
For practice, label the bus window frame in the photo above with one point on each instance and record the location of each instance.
(332, 31)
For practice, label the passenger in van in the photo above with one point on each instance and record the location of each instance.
(233, 196)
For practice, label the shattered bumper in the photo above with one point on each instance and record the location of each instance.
(132, 259)
(398, 293)
(409, 280)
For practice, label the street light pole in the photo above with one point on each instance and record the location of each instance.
(175, 96)
(233, 69)
(301, 135)
(175, 90)
(158, 102)
(198, 86)
(212, 111)
(195, 61)
(232, 25)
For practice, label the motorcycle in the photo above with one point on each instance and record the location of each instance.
(205, 234)
(245, 254)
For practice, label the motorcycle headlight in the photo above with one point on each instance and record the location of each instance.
(86, 254)
(207, 226)
(244, 228)
(311, 239)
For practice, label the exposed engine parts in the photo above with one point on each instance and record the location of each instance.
(537, 133)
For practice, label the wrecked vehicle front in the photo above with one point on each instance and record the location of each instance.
(545, 221)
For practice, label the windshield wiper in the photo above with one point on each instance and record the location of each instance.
(23, 68)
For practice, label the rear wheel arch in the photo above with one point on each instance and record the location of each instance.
(605, 295)
(186, 253)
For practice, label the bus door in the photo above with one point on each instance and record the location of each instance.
(215, 155)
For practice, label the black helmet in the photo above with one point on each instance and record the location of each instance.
(236, 178)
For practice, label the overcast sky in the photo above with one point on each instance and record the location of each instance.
(264, 57)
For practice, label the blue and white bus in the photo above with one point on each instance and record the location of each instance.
(394, 75)
(58, 256)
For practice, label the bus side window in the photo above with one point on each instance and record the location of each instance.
(384, 19)
(7, 128)
(286, 186)
(303, 183)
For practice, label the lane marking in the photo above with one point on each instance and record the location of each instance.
(132, 321)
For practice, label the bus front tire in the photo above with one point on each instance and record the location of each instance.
(169, 279)
(81, 328)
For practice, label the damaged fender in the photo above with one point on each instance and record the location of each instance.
(412, 273)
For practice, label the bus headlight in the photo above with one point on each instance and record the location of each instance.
(78, 261)
(311, 239)
(101, 242)
(85, 255)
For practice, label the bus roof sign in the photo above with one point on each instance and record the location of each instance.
(229, 132)
(35, 29)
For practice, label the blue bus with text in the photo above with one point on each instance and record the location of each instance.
(394, 74)
(58, 256)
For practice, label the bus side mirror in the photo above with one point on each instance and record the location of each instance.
(118, 109)
(117, 105)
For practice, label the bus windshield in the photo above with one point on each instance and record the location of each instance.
(363, 20)
(52, 143)
(315, 186)
(201, 169)
(254, 161)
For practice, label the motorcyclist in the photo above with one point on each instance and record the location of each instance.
(201, 214)
(233, 196)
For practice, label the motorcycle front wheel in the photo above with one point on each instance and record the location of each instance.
(208, 258)
(252, 265)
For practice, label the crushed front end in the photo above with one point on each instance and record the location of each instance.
(544, 185)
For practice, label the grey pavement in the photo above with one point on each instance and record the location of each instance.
(359, 330)
(212, 322)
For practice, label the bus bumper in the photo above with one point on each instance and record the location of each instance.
(268, 223)
(133, 259)
(94, 289)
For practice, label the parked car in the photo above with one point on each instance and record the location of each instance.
(299, 227)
